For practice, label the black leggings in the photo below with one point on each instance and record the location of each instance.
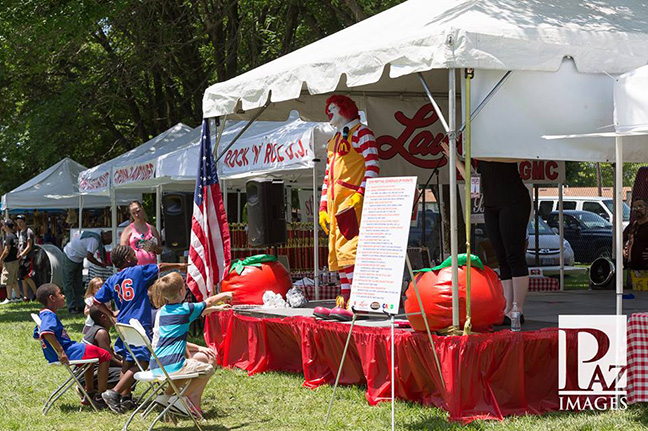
(506, 228)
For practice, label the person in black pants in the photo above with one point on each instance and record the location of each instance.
(507, 208)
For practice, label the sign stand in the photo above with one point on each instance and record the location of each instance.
(393, 345)
(381, 251)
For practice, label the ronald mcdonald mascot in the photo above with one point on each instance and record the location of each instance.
(352, 158)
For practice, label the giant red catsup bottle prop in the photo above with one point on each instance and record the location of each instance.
(250, 278)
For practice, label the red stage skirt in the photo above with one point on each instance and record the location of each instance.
(487, 376)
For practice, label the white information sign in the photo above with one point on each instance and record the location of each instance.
(382, 244)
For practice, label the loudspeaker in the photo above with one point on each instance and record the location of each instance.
(176, 210)
(266, 212)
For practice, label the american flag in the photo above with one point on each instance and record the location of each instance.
(209, 249)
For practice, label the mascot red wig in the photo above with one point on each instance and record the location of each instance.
(347, 107)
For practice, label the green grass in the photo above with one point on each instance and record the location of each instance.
(234, 401)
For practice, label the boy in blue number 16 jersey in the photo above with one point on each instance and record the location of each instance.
(129, 289)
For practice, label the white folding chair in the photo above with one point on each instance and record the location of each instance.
(152, 385)
(80, 366)
(135, 335)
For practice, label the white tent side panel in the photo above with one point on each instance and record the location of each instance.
(532, 104)
(631, 101)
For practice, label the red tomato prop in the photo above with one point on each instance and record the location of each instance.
(254, 280)
(435, 287)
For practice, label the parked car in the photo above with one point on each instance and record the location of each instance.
(432, 237)
(589, 235)
(601, 206)
(548, 246)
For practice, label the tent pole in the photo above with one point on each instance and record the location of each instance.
(158, 214)
(469, 74)
(238, 205)
(452, 162)
(436, 107)
(225, 200)
(113, 216)
(454, 246)
(257, 115)
(618, 223)
(562, 240)
(80, 212)
(315, 232)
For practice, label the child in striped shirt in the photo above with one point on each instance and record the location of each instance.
(173, 321)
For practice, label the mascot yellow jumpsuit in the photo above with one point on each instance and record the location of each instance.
(352, 158)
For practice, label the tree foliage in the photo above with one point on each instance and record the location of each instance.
(583, 174)
(90, 79)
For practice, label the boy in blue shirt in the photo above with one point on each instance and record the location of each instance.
(129, 289)
(58, 347)
(172, 323)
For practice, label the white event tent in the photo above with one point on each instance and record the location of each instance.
(539, 68)
(287, 150)
(54, 188)
(100, 180)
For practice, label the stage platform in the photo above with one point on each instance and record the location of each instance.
(542, 308)
(485, 376)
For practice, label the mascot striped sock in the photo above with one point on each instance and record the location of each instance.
(346, 279)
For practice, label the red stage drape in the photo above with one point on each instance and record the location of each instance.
(487, 376)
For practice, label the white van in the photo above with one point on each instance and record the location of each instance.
(598, 205)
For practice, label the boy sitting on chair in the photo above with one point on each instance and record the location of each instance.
(174, 320)
(129, 289)
(57, 345)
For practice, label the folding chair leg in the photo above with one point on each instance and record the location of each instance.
(143, 404)
(56, 395)
(180, 395)
(83, 369)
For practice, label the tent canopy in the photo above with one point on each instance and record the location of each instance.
(55, 188)
(142, 173)
(268, 148)
(98, 179)
(606, 37)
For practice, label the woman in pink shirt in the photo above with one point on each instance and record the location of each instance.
(141, 236)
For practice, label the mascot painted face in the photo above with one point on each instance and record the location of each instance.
(340, 110)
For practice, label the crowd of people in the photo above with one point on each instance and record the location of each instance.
(159, 305)
(137, 289)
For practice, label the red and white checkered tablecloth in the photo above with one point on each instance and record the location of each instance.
(637, 387)
(325, 292)
(543, 284)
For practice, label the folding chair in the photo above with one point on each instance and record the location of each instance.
(80, 366)
(135, 335)
(152, 385)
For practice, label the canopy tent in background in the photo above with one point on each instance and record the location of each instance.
(98, 179)
(142, 172)
(271, 149)
(55, 188)
(560, 55)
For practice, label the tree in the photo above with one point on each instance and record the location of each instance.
(91, 79)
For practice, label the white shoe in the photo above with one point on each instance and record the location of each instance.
(16, 300)
(6, 301)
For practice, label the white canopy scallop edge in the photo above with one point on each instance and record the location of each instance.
(422, 35)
